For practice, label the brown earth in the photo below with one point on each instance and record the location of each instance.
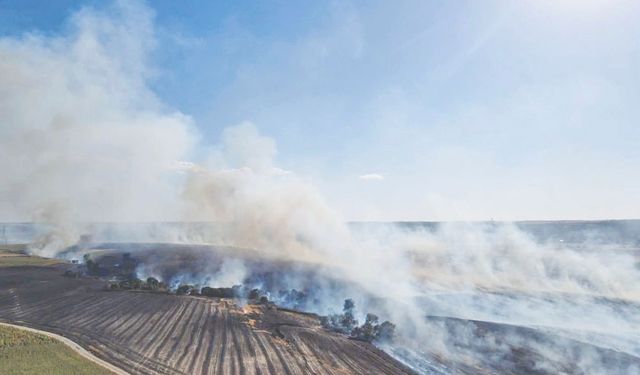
(155, 333)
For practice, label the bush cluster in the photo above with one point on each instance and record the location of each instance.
(71, 274)
(236, 291)
(134, 283)
(369, 331)
(293, 298)
(233, 292)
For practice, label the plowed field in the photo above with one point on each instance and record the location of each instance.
(155, 333)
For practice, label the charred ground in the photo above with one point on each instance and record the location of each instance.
(160, 333)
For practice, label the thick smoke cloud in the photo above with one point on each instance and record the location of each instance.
(490, 272)
(503, 257)
(256, 205)
(82, 136)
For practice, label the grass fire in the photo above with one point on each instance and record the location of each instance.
(319, 187)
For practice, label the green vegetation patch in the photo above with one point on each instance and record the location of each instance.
(24, 352)
(25, 260)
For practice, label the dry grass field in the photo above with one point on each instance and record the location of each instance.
(13, 248)
(14, 256)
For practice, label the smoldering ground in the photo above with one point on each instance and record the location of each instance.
(456, 311)
(99, 146)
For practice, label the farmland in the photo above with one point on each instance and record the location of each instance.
(14, 256)
(158, 333)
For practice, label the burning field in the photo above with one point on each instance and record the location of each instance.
(196, 308)
(160, 333)
(170, 242)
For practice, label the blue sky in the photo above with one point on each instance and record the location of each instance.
(462, 110)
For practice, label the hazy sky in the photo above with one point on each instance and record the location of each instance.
(410, 110)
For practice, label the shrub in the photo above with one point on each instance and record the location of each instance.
(233, 292)
(386, 332)
(344, 322)
(125, 285)
(369, 331)
(254, 294)
(71, 274)
(92, 267)
(293, 298)
(153, 283)
(349, 305)
(135, 283)
(217, 292)
(372, 331)
(184, 289)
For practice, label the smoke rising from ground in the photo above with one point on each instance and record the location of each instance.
(565, 297)
(84, 139)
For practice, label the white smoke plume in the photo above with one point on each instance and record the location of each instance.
(489, 272)
(83, 138)
(255, 205)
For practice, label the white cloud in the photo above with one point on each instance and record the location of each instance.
(371, 177)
